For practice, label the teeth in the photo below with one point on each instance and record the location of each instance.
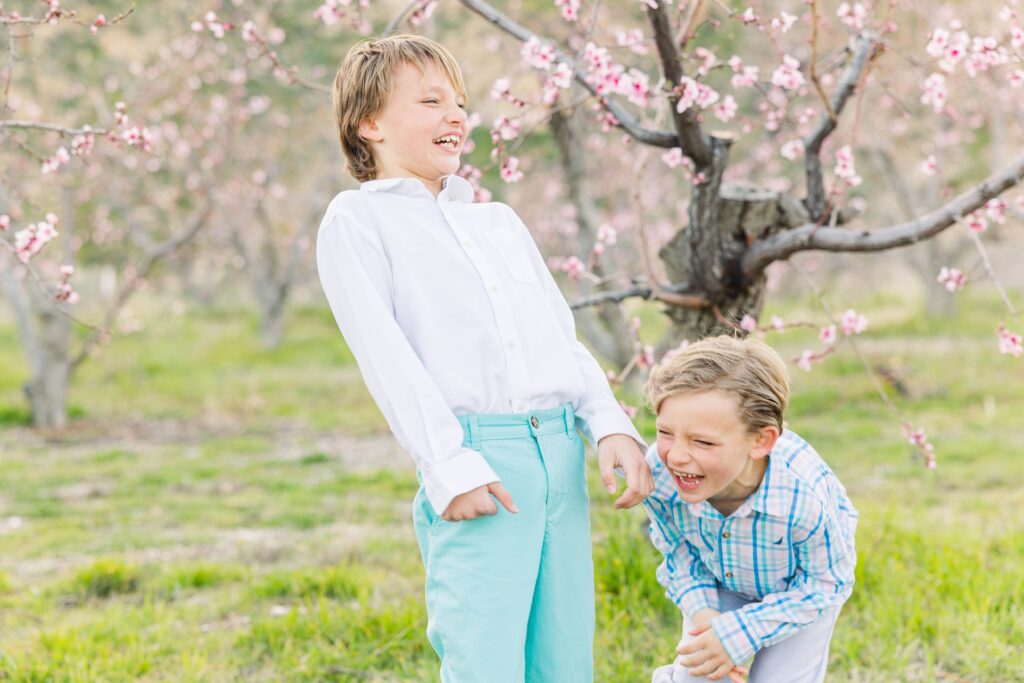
(447, 140)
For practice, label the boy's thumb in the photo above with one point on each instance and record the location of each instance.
(503, 496)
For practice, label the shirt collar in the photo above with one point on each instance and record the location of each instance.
(454, 188)
(764, 500)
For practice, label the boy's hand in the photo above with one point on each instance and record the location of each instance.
(705, 656)
(619, 450)
(478, 503)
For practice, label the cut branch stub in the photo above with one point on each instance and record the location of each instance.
(708, 255)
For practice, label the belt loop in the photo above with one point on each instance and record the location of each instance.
(474, 432)
(570, 420)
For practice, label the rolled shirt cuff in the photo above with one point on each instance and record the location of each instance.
(464, 471)
(736, 635)
(697, 598)
(608, 423)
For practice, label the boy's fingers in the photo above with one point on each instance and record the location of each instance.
(697, 630)
(503, 496)
(607, 473)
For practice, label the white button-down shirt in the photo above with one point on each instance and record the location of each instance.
(449, 309)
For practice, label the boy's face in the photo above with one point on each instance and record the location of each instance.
(709, 452)
(421, 130)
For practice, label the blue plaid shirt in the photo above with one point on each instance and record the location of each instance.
(789, 546)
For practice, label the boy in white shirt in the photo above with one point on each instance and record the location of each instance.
(469, 350)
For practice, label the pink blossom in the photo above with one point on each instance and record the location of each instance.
(938, 42)
(1010, 343)
(136, 137)
(805, 361)
(607, 234)
(853, 322)
(1016, 78)
(81, 145)
(930, 166)
(120, 113)
(852, 15)
(707, 58)
(977, 222)
(34, 237)
(500, 89)
(422, 12)
(951, 278)
(636, 86)
(570, 9)
(917, 438)
(689, 91)
(784, 22)
(633, 39)
(574, 268)
(249, 34)
(510, 172)
(935, 92)
(673, 157)
(748, 17)
(845, 166)
(706, 96)
(1017, 37)
(827, 334)
(778, 324)
(537, 54)
(5, 222)
(726, 110)
(748, 323)
(995, 210)
(788, 75)
(743, 76)
(645, 359)
(505, 129)
(59, 158)
(793, 149)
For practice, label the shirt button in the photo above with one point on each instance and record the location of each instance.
(728, 575)
(493, 288)
(535, 422)
(512, 344)
(726, 534)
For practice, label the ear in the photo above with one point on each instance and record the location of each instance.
(764, 442)
(369, 131)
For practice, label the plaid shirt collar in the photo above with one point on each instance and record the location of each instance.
(770, 498)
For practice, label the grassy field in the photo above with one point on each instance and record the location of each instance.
(217, 512)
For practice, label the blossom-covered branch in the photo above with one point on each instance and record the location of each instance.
(630, 123)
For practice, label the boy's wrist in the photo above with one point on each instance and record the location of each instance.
(463, 472)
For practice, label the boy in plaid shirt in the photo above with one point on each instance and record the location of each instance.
(756, 530)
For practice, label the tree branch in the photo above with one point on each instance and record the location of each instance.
(693, 141)
(863, 50)
(38, 125)
(631, 124)
(674, 295)
(812, 236)
(151, 258)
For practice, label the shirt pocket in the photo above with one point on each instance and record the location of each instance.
(511, 252)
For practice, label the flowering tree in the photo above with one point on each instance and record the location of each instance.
(132, 191)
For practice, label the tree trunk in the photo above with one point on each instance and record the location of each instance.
(45, 333)
(272, 310)
(707, 255)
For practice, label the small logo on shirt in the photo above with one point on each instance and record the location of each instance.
(779, 542)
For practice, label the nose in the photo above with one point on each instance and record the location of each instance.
(457, 116)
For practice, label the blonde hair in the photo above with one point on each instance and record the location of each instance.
(747, 369)
(365, 80)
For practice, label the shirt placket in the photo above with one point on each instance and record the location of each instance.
(497, 295)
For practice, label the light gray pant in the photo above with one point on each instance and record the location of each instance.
(801, 658)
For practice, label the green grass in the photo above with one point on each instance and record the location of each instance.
(197, 523)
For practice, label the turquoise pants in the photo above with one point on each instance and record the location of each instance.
(510, 597)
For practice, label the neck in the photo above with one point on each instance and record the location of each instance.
(741, 488)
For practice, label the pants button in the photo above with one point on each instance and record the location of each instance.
(535, 422)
